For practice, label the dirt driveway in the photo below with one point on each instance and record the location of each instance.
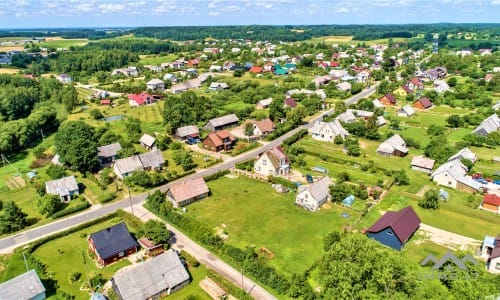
(449, 239)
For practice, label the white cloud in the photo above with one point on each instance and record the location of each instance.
(211, 5)
(230, 8)
(495, 2)
(213, 13)
(341, 10)
(111, 8)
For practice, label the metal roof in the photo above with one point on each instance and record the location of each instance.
(113, 240)
(23, 287)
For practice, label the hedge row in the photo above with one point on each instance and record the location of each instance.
(71, 210)
(228, 286)
(294, 138)
(216, 175)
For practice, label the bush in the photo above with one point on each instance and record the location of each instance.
(216, 175)
(56, 171)
(107, 197)
(189, 259)
(130, 219)
(75, 276)
(294, 138)
(96, 114)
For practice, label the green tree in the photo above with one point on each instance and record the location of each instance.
(12, 218)
(452, 82)
(96, 114)
(340, 191)
(249, 129)
(430, 199)
(56, 171)
(48, 204)
(155, 200)
(401, 178)
(155, 231)
(455, 121)
(76, 144)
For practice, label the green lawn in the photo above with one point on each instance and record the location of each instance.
(63, 43)
(253, 214)
(157, 59)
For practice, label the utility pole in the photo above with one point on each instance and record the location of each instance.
(242, 287)
(130, 198)
(25, 262)
(43, 136)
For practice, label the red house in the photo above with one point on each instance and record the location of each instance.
(491, 202)
(140, 99)
(255, 70)
(423, 103)
(388, 99)
(106, 102)
(112, 244)
(221, 140)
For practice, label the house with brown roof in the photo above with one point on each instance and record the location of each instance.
(422, 164)
(273, 162)
(289, 102)
(491, 202)
(415, 84)
(183, 193)
(423, 103)
(388, 99)
(221, 140)
(395, 228)
(261, 127)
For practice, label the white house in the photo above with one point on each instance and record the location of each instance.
(64, 78)
(273, 162)
(156, 85)
(218, 86)
(422, 164)
(64, 187)
(170, 77)
(327, 131)
(464, 153)
(312, 197)
(129, 72)
(344, 86)
(488, 125)
(261, 127)
(490, 250)
(441, 86)
(453, 174)
(395, 145)
(406, 111)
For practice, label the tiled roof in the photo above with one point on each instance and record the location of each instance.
(422, 162)
(404, 223)
(147, 140)
(224, 120)
(153, 159)
(187, 131)
(491, 199)
(189, 189)
(109, 150)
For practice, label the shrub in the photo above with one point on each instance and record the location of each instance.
(189, 259)
(75, 276)
(96, 114)
(216, 175)
(107, 196)
(56, 171)
(70, 210)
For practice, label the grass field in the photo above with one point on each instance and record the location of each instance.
(156, 60)
(8, 70)
(62, 43)
(253, 214)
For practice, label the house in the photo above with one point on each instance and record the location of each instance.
(112, 243)
(221, 140)
(328, 131)
(344, 86)
(106, 102)
(422, 164)
(152, 160)
(64, 78)
(436, 73)
(214, 68)
(170, 77)
(64, 187)
(490, 250)
(126, 166)
(489, 125)
(154, 279)
(491, 202)
(406, 89)
(150, 247)
(140, 99)
(147, 141)
(381, 121)
(221, 122)
(422, 103)
(261, 127)
(464, 153)
(395, 228)
(228, 66)
(393, 146)
(255, 70)
(441, 86)
(273, 162)
(280, 71)
(183, 193)
(26, 286)
(406, 111)
(108, 153)
(361, 114)
(312, 197)
(347, 116)
(453, 174)
(388, 99)
(363, 76)
(156, 85)
(415, 84)
(188, 131)
(218, 86)
(154, 69)
(290, 102)
(263, 104)
(129, 72)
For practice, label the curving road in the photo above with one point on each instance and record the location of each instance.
(8, 244)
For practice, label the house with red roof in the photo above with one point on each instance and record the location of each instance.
(388, 99)
(289, 102)
(395, 228)
(423, 103)
(187, 192)
(106, 102)
(491, 202)
(255, 70)
(140, 99)
(415, 84)
(221, 140)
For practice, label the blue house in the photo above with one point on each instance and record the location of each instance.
(395, 228)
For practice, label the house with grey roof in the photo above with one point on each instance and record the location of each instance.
(147, 141)
(187, 131)
(26, 286)
(218, 86)
(393, 146)
(156, 85)
(108, 153)
(464, 153)
(489, 125)
(152, 160)
(327, 131)
(221, 122)
(453, 174)
(312, 197)
(158, 277)
(347, 117)
(64, 187)
(126, 166)
(406, 111)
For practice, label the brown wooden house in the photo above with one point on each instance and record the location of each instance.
(388, 99)
(112, 244)
(221, 140)
(423, 103)
(151, 248)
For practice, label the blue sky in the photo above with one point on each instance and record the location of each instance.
(131, 13)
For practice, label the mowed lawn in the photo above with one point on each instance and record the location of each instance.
(253, 214)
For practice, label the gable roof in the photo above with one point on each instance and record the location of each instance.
(464, 153)
(151, 277)
(426, 103)
(109, 150)
(276, 155)
(404, 223)
(408, 110)
(422, 162)
(334, 126)
(140, 99)
(395, 142)
(406, 89)
(265, 125)
(147, 140)
(152, 159)
(128, 164)
(189, 130)
(489, 125)
(62, 186)
(25, 286)
(321, 188)
(224, 120)
(454, 167)
(390, 97)
(290, 102)
(155, 81)
(491, 199)
(265, 102)
(347, 116)
(113, 240)
(188, 189)
(255, 70)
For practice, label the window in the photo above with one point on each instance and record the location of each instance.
(390, 233)
(121, 254)
(264, 162)
(497, 266)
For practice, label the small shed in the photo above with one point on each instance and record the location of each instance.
(320, 170)
(348, 201)
(147, 141)
(152, 249)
